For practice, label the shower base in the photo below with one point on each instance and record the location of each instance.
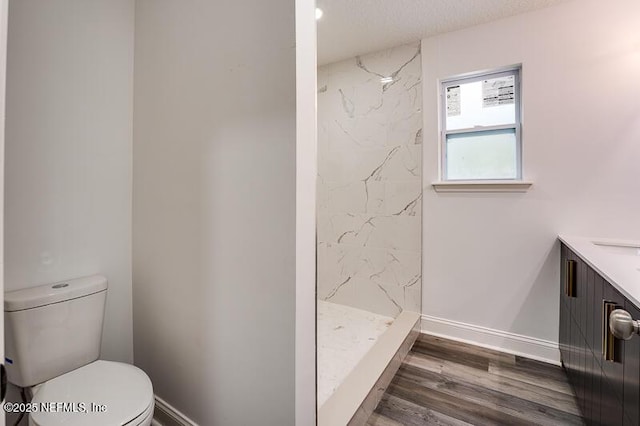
(345, 335)
(358, 354)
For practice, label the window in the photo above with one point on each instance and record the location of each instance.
(481, 127)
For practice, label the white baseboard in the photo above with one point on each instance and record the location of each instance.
(167, 415)
(516, 344)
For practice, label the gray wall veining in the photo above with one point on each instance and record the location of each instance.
(369, 181)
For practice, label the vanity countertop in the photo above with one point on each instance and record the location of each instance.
(618, 261)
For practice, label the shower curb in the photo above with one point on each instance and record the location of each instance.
(357, 397)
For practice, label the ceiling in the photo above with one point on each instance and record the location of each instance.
(354, 27)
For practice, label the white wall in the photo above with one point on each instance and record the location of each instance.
(3, 74)
(214, 207)
(492, 260)
(68, 151)
(306, 173)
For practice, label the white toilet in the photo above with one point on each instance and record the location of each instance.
(53, 335)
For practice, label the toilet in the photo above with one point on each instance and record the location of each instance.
(52, 345)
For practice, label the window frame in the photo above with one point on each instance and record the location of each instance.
(516, 71)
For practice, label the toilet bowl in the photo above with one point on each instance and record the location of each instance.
(102, 393)
(53, 334)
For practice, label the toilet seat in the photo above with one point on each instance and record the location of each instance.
(124, 390)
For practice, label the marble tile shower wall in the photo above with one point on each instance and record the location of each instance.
(369, 183)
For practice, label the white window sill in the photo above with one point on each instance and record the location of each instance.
(482, 186)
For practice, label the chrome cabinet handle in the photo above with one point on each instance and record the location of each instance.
(621, 324)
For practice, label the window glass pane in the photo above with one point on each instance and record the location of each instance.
(488, 102)
(482, 155)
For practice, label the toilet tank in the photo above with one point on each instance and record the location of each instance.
(53, 329)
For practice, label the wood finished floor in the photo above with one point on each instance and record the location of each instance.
(443, 383)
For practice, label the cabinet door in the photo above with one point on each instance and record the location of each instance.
(611, 407)
(632, 373)
(591, 316)
(596, 309)
(580, 317)
(563, 270)
(595, 401)
(563, 333)
(581, 295)
(574, 306)
(571, 352)
(577, 364)
(583, 380)
(613, 370)
(589, 397)
(565, 318)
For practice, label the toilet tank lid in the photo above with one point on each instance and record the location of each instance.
(33, 297)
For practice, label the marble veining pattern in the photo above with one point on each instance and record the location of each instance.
(369, 181)
(345, 335)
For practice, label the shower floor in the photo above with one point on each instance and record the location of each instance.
(345, 335)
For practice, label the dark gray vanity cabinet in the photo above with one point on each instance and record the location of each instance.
(631, 390)
(603, 371)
